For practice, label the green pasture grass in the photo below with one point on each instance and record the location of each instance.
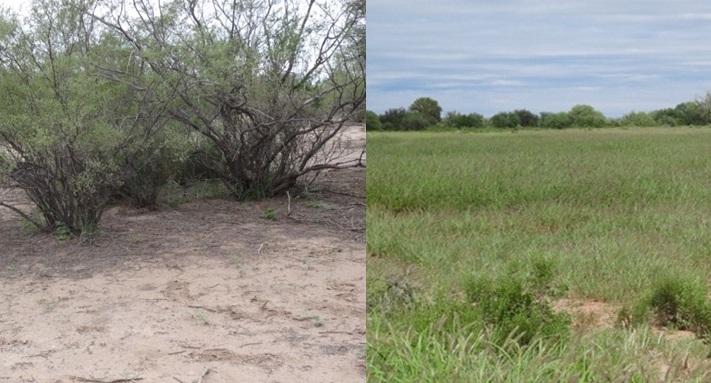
(611, 212)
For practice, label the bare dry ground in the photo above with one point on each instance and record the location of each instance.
(208, 291)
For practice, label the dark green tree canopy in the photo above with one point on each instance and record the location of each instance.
(459, 120)
(560, 120)
(427, 107)
(585, 116)
(372, 121)
(505, 120)
(527, 118)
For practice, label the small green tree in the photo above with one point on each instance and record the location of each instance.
(372, 121)
(393, 118)
(427, 107)
(505, 120)
(666, 117)
(585, 116)
(271, 83)
(560, 120)
(527, 118)
(59, 126)
(638, 119)
(416, 121)
(73, 135)
(459, 120)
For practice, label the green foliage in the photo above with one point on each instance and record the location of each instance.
(270, 214)
(204, 162)
(401, 119)
(246, 76)
(416, 121)
(392, 118)
(58, 128)
(505, 120)
(460, 121)
(526, 118)
(150, 164)
(638, 119)
(513, 310)
(691, 113)
(561, 120)
(427, 108)
(681, 302)
(592, 216)
(585, 116)
(372, 121)
(62, 231)
(666, 117)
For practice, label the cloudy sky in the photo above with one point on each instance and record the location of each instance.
(489, 56)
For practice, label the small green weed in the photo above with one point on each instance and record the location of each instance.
(61, 230)
(48, 305)
(514, 311)
(202, 318)
(270, 214)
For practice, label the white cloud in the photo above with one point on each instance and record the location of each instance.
(545, 53)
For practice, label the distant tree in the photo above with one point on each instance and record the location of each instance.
(372, 121)
(704, 104)
(416, 121)
(665, 117)
(690, 113)
(504, 120)
(392, 118)
(427, 107)
(586, 116)
(459, 120)
(561, 120)
(640, 119)
(526, 118)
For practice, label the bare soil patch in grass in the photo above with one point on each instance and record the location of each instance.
(207, 291)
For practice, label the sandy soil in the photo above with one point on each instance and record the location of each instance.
(209, 291)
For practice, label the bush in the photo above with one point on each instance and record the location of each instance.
(73, 136)
(248, 81)
(459, 121)
(69, 183)
(372, 121)
(526, 118)
(561, 120)
(416, 121)
(505, 120)
(428, 108)
(637, 119)
(392, 118)
(151, 165)
(200, 164)
(513, 310)
(682, 304)
(585, 116)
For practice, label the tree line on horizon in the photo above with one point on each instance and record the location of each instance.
(426, 113)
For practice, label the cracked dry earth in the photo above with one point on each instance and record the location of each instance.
(208, 291)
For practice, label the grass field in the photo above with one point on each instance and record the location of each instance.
(485, 252)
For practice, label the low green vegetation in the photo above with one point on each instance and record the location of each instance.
(426, 114)
(474, 240)
(106, 100)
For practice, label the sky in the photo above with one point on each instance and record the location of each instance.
(17, 5)
(490, 56)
